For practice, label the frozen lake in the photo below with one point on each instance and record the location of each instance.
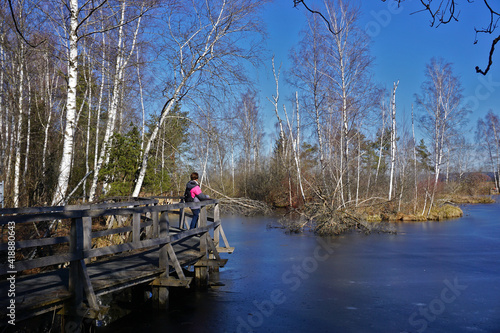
(429, 277)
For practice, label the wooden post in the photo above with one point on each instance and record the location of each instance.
(201, 272)
(182, 216)
(136, 227)
(155, 217)
(75, 286)
(216, 236)
(87, 235)
(216, 220)
(161, 293)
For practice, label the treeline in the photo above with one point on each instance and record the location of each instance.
(94, 96)
(120, 98)
(359, 152)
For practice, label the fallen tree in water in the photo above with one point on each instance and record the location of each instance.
(240, 206)
(324, 219)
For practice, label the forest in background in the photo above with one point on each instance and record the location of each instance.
(126, 98)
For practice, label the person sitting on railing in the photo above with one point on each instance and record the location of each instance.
(193, 194)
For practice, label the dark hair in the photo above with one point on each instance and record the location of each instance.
(194, 176)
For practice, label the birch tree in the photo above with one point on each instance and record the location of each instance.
(202, 43)
(70, 117)
(308, 76)
(393, 138)
(348, 64)
(443, 110)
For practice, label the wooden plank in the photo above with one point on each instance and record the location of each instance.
(108, 232)
(211, 245)
(211, 263)
(225, 249)
(224, 238)
(171, 282)
(41, 262)
(87, 287)
(102, 251)
(38, 217)
(173, 260)
(36, 242)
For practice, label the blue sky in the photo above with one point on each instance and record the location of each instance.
(402, 44)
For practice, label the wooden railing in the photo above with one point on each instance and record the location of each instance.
(143, 223)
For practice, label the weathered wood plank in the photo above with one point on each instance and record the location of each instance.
(41, 262)
(36, 242)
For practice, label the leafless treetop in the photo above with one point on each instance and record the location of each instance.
(444, 12)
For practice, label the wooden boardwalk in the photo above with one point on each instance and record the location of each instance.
(80, 268)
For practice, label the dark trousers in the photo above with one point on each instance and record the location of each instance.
(194, 220)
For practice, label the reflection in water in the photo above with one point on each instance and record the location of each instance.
(430, 277)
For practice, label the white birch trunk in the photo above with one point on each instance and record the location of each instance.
(98, 111)
(143, 128)
(381, 143)
(17, 162)
(87, 144)
(10, 135)
(359, 168)
(28, 133)
(414, 160)
(68, 141)
(152, 138)
(50, 102)
(393, 139)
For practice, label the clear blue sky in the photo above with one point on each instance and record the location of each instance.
(402, 44)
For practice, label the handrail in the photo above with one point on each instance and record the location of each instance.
(81, 234)
(33, 210)
(19, 215)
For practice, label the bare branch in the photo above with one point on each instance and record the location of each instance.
(17, 28)
(445, 11)
(490, 59)
(296, 2)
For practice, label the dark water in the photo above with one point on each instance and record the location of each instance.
(430, 277)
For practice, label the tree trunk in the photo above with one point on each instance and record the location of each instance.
(17, 163)
(414, 160)
(393, 139)
(68, 141)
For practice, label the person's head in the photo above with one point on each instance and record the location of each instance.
(194, 176)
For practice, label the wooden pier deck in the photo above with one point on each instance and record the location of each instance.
(155, 253)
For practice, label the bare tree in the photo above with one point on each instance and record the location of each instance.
(202, 44)
(444, 12)
(348, 65)
(488, 136)
(308, 76)
(122, 60)
(443, 110)
(393, 138)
